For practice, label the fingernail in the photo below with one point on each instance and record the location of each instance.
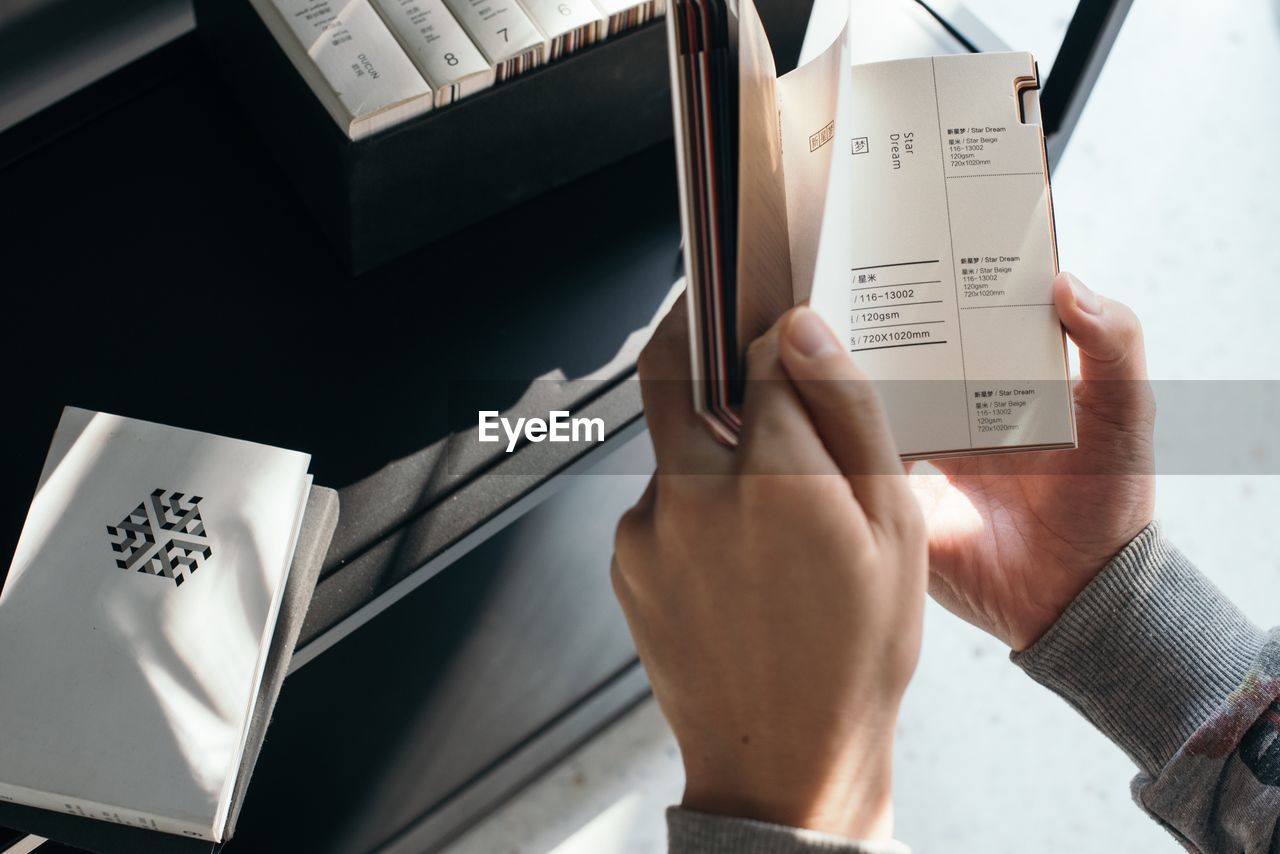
(809, 335)
(1085, 298)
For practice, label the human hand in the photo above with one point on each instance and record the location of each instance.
(1014, 538)
(775, 590)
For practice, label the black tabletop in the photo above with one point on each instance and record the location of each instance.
(157, 265)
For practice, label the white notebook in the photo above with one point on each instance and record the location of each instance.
(136, 619)
(350, 60)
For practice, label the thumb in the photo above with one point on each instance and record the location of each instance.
(1107, 332)
(1113, 360)
(845, 410)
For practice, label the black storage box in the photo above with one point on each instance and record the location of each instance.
(397, 190)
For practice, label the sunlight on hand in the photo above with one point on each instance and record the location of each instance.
(946, 509)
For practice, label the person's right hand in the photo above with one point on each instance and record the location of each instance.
(775, 591)
(1014, 538)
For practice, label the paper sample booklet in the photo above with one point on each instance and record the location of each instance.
(136, 619)
(908, 201)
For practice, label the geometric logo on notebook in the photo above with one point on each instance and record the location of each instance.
(164, 536)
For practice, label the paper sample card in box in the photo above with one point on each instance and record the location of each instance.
(624, 14)
(350, 60)
(439, 47)
(504, 34)
(136, 618)
(567, 24)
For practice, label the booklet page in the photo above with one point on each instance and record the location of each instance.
(945, 299)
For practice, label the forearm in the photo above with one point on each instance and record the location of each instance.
(1171, 671)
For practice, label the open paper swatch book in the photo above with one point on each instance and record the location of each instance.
(907, 201)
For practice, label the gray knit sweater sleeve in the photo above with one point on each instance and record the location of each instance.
(690, 832)
(1167, 668)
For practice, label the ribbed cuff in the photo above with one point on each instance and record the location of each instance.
(1147, 651)
(690, 832)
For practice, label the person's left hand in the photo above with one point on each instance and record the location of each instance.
(1014, 538)
(775, 591)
